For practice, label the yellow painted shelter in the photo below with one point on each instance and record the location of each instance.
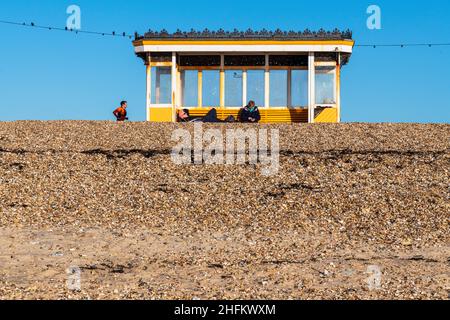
(292, 76)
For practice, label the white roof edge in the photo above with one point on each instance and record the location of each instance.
(244, 48)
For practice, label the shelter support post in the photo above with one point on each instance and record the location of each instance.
(311, 87)
(149, 87)
(338, 89)
(267, 83)
(244, 88)
(174, 86)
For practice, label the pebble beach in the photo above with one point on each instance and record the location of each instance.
(356, 211)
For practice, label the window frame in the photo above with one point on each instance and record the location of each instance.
(153, 67)
(243, 88)
(331, 64)
(246, 97)
(181, 87)
(200, 90)
(245, 69)
(288, 89)
(199, 83)
(291, 106)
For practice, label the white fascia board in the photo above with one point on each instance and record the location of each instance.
(244, 48)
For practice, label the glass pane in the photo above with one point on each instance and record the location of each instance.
(199, 61)
(189, 83)
(161, 85)
(245, 61)
(289, 60)
(211, 88)
(233, 88)
(325, 85)
(255, 86)
(299, 88)
(278, 88)
(161, 56)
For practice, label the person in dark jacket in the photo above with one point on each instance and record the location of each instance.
(250, 113)
(211, 117)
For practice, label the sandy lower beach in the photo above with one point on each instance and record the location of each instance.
(356, 211)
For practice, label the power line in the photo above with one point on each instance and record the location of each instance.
(402, 45)
(125, 35)
(66, 29)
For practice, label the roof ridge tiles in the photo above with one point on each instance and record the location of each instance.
(249, 34)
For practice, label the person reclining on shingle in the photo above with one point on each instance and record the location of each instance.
(211, 117)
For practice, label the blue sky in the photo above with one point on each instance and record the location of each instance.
(50, 75)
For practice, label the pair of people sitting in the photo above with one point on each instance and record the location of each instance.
(249, 114)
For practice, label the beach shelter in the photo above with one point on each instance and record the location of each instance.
(292, 76)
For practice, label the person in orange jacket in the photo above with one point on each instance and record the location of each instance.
(121, 112)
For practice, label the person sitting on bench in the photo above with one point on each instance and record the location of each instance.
(250, 113)
(211, 117)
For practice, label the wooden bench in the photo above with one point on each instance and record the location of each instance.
(267, 115)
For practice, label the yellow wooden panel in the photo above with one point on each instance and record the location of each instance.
(328, 115)
(267, 115)
(161, 115)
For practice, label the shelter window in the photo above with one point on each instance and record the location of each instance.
(211, 88)
(189, 83)
(199, 61)
(278, 88)
(256, 87)
(233, 88)
(161, 85)
(326, 56)
(325, 85)
(288, 60)
(161, 57)
(299, 88)
(245, 61)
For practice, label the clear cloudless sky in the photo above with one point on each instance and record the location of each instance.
(53, 75)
